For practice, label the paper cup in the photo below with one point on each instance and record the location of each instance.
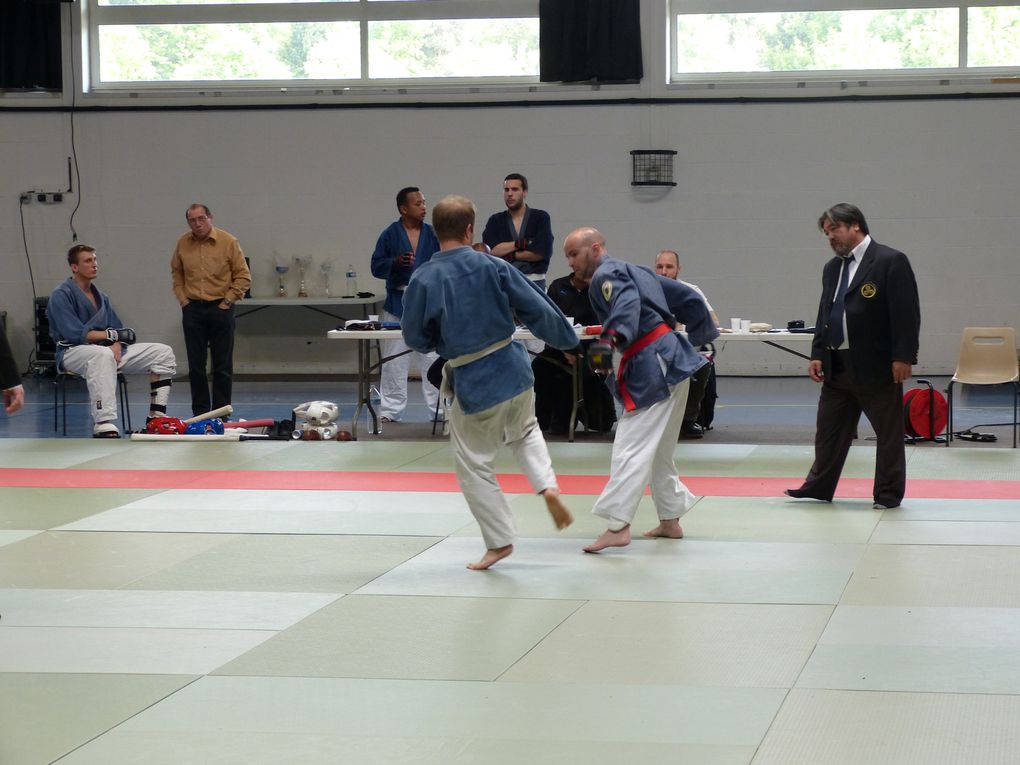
(745, 325)
(735, 325)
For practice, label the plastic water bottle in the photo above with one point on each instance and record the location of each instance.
(352, 281)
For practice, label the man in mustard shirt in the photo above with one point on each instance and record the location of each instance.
(210, 275)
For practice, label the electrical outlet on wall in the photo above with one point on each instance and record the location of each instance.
(43, 197)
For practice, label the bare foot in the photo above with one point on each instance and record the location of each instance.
(667, 529)
(610, 538)
(490, 557)
(560, 515)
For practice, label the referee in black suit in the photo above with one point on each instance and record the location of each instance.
(865, 346)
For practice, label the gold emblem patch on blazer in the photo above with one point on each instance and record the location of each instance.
(868, 290)
(607, 290)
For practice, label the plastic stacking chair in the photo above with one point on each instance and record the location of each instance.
(60, 400)
(988, 356)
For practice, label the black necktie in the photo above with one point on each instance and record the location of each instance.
(839, 306)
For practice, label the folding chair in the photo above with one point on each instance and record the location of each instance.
(988, 356)
(60, 399)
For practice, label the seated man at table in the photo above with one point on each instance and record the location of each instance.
(667, 263)
(93, 342)
(403, 246)
(554, 384)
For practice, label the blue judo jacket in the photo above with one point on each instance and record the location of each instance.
(632, 302)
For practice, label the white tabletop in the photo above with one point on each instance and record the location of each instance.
(523, 334)
(363, 334)
(389, 334)
(308, 301)
(782, 334)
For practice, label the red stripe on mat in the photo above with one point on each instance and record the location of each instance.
(299, 480)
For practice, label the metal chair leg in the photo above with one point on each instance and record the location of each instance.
(949, 418)
(60, 401)
(1016, 396)
(125, 409)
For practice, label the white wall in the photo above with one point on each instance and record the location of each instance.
(938, 179)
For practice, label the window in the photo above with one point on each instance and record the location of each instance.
(771, 41)
(243, 43)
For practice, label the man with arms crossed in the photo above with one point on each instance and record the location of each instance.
(462, 303)
(651, 366)
(521, 235)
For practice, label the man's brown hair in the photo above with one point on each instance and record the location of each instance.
(72, 254)
(452, 215)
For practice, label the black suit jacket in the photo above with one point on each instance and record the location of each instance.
(883, 314)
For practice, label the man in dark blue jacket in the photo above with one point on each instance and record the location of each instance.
(521, 235)
(403, 246)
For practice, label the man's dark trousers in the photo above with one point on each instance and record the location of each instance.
(840, 405)
(209, 329)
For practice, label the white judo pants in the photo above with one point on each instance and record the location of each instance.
(393, 377)
(643, 454)
(99, 368)
(476, 440)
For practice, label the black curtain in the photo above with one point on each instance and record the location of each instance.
(590, 40)
(30, 45)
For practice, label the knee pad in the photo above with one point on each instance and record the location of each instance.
(159, 393)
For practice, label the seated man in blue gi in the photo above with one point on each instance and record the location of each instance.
(93, 342)
(462, 303)
(651, 367)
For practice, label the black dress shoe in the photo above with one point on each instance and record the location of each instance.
(801, 494)
(885, 505)
(691, 429)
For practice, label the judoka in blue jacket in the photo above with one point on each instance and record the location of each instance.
(651, 366)
(631, 301)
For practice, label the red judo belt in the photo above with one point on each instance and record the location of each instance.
(638, 345)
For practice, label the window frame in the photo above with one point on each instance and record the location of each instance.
(363, 12)
(922, 78)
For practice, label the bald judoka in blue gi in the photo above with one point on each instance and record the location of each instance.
(462, 303)
(651, 366)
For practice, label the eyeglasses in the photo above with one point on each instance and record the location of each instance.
(199, 219)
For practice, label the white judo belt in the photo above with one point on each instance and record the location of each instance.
(445, 390)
